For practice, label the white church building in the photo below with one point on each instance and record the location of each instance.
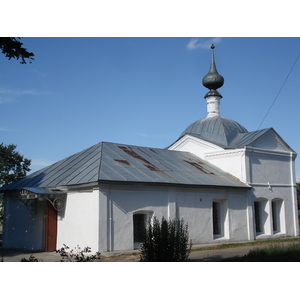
(228, 184)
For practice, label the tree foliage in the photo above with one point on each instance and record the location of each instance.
(12, 48)
(13, 165)
(166, 241)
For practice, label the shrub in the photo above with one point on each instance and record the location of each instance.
(166, 241)
(79, 256)
(30, 259)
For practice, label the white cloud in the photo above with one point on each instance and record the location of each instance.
(40, 162)
(5, 129)
(40, 73)
(196, 43)
(18, 93)
(6, 99)
(7, 95)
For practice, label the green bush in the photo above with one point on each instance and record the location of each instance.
(166, 241)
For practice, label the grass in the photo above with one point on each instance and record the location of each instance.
(252, 243)
(272, 253)
(276, 250)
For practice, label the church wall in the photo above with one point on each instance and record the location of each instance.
(272, 168)
(124, 202)
(192, 204)
(195, 207)
(238, 222)
(22, 228)
(231, 161)
(78, 223)
(288, 218)
(103, 218)
(272, 176)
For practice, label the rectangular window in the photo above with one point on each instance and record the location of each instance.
(139, 227)
(274, 216)
(257, 212)
(276, 212)
(217, 228)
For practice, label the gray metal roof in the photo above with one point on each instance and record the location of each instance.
(109, 162)
(247, 138)
(243, 139)
(217, 130)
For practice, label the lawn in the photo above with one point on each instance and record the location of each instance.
(276, 252)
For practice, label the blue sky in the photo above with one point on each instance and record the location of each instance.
(141, 91)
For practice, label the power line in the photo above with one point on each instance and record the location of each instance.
(279, 91)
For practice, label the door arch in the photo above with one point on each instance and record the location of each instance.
(140, 221)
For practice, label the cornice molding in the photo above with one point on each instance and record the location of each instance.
(188, 138)
(232, 152)
(250, 149)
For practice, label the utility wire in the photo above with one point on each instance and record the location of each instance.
(279, 91)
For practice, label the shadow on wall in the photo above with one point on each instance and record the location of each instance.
(23, 218)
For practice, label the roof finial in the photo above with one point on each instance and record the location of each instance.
(213, 80)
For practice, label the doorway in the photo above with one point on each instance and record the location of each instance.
(51, 227)
(139, 229)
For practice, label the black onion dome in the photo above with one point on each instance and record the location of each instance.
(213, 80)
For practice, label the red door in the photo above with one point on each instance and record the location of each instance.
(51, 227)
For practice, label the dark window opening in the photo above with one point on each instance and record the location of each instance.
(257, 213)
(139, 227)
(217, 219)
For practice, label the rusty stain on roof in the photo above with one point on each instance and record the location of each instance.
(148, 164)
(122, 161)
(199, 166)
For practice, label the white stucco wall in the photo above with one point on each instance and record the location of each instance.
(231, 161)
(194, 145)
(195, 206)
(23, 229)
(272, 177)
(121, 202)
(264, 167)
(78, 224)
